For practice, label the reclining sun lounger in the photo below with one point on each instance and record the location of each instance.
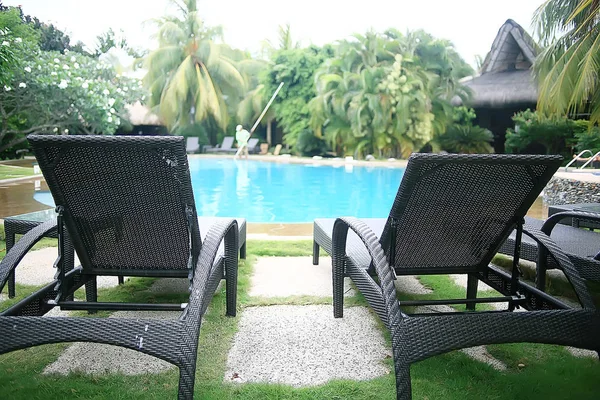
(450, 216)
(581, 245)
(128, 205)
(226, 146)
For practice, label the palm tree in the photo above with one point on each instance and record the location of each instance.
(568, 69)
(284, 39)
(190, 76)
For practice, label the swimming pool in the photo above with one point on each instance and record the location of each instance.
(284, 192)
(268, 192)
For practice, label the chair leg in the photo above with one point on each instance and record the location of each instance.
(231, 290)
(403, 386)
(472, 283)
(540, 274)
(315, 253)
(91, 292)
(338, 292)
(186, 382)
(121, 280)
(243, 251)
(10, 242)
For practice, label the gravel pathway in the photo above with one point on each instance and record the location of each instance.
(305, 346)
(36, 269)
(96, 358)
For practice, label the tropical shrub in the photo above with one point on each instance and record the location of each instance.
(309, 145)
(467, 139)
(386, 94)
(587, 137)
(51, 93)
(461, 136)
(536, 133)
(296, 68)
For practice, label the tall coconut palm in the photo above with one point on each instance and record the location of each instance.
(568, 69)
(190, 75)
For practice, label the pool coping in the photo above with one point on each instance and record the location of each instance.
(22, 178)
(394, 163)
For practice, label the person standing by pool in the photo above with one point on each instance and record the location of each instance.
(242, 137)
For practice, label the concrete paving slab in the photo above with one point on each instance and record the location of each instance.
(96, 358)
(306, 346)
(293, 276)
(36, 269)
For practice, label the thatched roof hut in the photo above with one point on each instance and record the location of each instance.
(506, 77)
(506, 84)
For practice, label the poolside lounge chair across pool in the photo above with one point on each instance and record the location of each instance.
(225, 147)
(450, 216)
(128, 205)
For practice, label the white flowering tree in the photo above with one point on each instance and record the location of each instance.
(53, 93)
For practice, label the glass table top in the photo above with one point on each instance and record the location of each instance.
(37, 216)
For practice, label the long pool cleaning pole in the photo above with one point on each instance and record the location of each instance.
(266, 108)
(237, 153)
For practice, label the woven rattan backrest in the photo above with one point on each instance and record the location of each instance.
(126, 199)
(455, 211)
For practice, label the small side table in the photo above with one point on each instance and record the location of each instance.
(575, 222)
(21, 224)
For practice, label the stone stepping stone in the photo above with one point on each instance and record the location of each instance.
(36, 269)
(293, 276)
(581, 353)
(306, 346)
(96, 358)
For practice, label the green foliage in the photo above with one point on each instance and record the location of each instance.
(11, 18)
(387, 94)
(14, 35)
(587, 136)
(190, 76)
(568, 68)
(466, 139)
(461, 136)
(295, 68)
(310, 145)
(536, 133)
(52, 92)
(463, 115)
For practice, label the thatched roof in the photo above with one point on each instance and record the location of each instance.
(506, 75)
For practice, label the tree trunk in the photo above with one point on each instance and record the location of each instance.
(270, 132)
(12, 143)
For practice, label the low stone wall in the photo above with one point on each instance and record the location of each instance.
(576, 188)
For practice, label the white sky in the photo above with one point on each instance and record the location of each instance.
(470, 24)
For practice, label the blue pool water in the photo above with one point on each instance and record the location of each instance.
(282, 192)
(265, 192)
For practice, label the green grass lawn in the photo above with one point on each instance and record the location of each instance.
(534, 371)
(9, 172)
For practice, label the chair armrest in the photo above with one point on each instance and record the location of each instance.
(16, 254)
(545, 243)
(225, 231)
(554, 219)
(384, 271)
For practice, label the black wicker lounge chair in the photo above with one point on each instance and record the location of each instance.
(451, 215)
(225, 147)
(581, 245)
(128, 206)
(192, 144)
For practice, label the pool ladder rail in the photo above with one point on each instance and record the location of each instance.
(594, 157)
